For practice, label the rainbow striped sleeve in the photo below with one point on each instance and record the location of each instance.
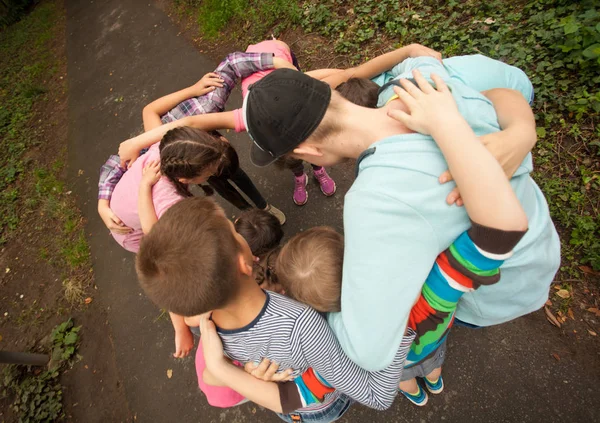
(463, 267)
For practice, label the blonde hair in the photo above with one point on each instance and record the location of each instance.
(309, 268)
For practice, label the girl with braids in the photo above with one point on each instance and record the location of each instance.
(185, 154)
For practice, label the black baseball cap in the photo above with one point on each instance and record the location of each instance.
(281, 111)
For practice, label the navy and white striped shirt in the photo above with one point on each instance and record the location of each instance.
(297, 337)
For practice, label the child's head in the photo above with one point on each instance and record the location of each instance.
(309, 268)
(193, 261)
(263, 233)
(260, 229)
(191, 156)
(360, 91)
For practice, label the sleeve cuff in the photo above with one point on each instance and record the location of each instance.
(289, 397)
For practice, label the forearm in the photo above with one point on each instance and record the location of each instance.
(265, 394)
(487, 194)
(369, 69)
(178, 322)
(152, 112)
(146, 210)
(517, 121)
(208, 122)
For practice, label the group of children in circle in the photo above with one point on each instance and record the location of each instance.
(134, 194)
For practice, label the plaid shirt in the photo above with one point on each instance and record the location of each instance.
(110, 173)
(236, 65)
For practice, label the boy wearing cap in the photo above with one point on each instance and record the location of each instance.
(395, 222)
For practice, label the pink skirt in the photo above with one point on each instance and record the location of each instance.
(217, 396)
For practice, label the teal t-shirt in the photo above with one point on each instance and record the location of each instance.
(396, 222)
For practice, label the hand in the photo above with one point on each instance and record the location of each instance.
(184, 342)
(128, 152)
(151, 173)
(454, 196)
(267, 371)
(430, 108)
(417, 50)
(208, 83)
(211, 344)
(111, 220)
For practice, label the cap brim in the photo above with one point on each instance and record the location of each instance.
(259, 157)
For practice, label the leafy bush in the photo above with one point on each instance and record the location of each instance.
(38, 396)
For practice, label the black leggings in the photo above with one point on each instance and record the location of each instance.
(244, 183)
(297, 166)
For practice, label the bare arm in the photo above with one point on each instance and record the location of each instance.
(184, 340)
(152, 112)
(380, 64)
(129, 150)
(265, 394)
(518, 135)
(487, 194)
(511, 145)
(146, 211)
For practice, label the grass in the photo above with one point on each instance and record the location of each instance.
(31, 183)
(26, 62)
(557, 43)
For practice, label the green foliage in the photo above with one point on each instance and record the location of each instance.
(214, 16)
(557, 43)
(25, 62)
(38, 395)
(12, 10)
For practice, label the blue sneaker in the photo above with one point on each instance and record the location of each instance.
(434, 387)
(419, 399)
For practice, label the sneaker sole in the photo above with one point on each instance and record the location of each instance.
(324, 193)
(418, 404)
(329, 195)
(434, 391)
(305, 201)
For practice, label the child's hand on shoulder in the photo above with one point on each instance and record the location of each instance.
(151, 173)
(211, 343)
(208, 83)
(429, 109)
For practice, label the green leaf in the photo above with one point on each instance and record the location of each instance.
(71, 338)
(541, 132)
(592, 51)
(571, 27)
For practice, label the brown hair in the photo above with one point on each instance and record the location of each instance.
(187, 152)
(261, 230)
(309, 268)
(187, 264)
(360, 91)
(263, 233)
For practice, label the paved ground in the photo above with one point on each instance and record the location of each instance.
(121, 55)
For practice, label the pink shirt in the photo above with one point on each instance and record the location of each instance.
(279, 49)
(124, 201)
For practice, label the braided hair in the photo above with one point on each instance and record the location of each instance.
(187, 152)
(263, 233)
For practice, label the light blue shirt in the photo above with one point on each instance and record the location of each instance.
(396, 222)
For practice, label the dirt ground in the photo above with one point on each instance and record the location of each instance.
(32, 289)
(126, 348)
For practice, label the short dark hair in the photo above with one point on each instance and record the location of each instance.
(261, 230)
(187, 264)
(360, 91)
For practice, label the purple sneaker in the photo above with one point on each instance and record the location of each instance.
(300, 194)
(327, 184)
